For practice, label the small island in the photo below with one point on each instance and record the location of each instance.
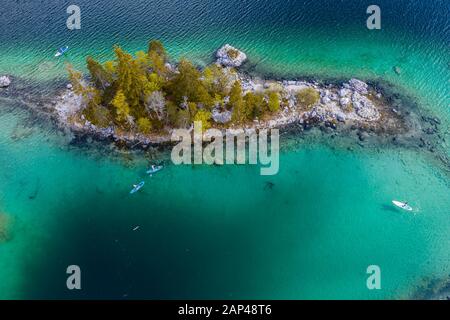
(141, 98)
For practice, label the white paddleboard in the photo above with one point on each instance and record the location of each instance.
(61, 51)
(402, 205)
(155, 170)
(137, 187)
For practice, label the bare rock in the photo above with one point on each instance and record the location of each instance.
(221, 117)
(364, 107)
(358, 86)
(229, 56)
(5, 81)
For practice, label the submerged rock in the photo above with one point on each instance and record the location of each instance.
(229, 56)
(5, 81)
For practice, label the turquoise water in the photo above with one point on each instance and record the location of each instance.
(219, 232)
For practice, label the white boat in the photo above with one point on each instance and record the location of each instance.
(402, 205)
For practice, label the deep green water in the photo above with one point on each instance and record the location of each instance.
(210, 232)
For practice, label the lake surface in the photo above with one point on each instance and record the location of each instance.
(221, 232)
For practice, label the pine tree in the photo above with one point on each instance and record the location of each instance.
(144, 125)
(216, 80)
(110, 67)
(76, 79)
(100, 77)
(121, 106)
(237, 103)
(274, 101)
(183, 84)
(187, 83)
(158, 57)
(156, 46)
(205, 118)
(130, 77)
(142, 60)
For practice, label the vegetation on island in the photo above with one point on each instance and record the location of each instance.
(233, 53)
(145, 93)
(307, 97)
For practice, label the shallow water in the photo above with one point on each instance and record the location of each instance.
(220, 232)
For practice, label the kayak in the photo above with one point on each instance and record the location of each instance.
(61, 51)
(155, 169)
(137, 187)
(402, 205)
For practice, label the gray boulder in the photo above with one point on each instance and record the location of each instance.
(358, 86)
(5, 81)
(221, 117)
(229, 56)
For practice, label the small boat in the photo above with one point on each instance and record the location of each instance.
(402, 205)
(154, 169)
(137, 187)
(61, 51)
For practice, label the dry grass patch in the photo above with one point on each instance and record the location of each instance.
(307, 97)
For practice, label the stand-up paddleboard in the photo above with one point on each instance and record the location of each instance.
(402, 205)
(61, 51)
(155, 169)
(137, 187)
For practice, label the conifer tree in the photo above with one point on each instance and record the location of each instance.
(76, 79)
(183, 84)
(237, 103)
(158, 57)
(131, 78)
(100, 77)
(274, 101)
(205, 118)
(121, 106)
(144, 125)
(156, 46)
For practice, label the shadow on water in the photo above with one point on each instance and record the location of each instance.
(387, 207)
(35, 192)
(269, 185)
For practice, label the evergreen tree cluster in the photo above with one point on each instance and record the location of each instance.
(145, 93)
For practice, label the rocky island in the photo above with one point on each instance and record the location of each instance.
(139, 100)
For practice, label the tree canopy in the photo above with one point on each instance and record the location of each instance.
(143, 92)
